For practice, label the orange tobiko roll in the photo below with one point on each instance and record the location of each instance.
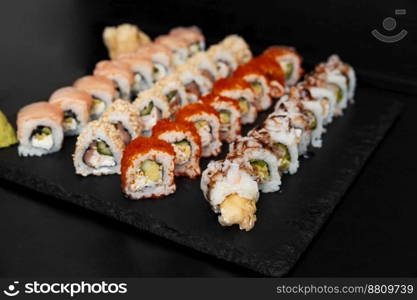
(289, 60)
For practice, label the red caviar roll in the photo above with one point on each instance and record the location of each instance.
(273, 72)
(229, 112)
(148, 168)
(239, 89)
(186, 141)
(207, 122)
(259, 83)
(289, 60)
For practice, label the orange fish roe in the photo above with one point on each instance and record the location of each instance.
(142, 145)
(248, 69)
(212, 98)
(165, 125)
(194, 108)
(270, 67)
(277, 51)
(231, 83)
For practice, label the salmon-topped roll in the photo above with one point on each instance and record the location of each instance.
(39, 129)
(289, 60)
(259, 83)
(206, 121)
(142, 69)
(238, 47)
(98, 150)
(148, 168)
(229, 115)
(192, 36)
(161, 57)
(120, 73)
(125, 117)
(195, 83)
(273, 72)
(101, 89)
(177, 45)
(238, 89)
(185, 140)
(205, 65)
(76, 105)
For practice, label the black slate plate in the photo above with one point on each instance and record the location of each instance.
(287, 220)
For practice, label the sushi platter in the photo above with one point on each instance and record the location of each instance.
(238, 156)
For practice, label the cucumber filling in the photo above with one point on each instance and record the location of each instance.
(288, 70)
(182, 151)
(70, 121)
(284, 156)
(41, 137)
(147, 110)
(339, 94)
(224, 119)
(171, 95)
(257, 88)
(261, 169)
(148, 174)
(99, 155)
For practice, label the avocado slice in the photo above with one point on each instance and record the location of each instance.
(257, 87)
(103, 148)
(171, 95)
(225, 116)
(185, 147)
(243, 104)
(284, 155)
(261, 168)
(312, 120)
(339, 94)
(147, 110)
(289, 69)
(152, 170)
(201, 123)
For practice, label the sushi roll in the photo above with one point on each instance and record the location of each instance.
(142, 69)
(259, 83)
(238, 47)
(289, 60)
(224, 60)
(206, 120)
(229, 115)
(232, 193)
(204, 64)
(178, 46)
(152, 106)
(195, 83)
(337, 82)
(174, 91)
(259, 160)
(185, 140)
(98, 150)
(278, 134)
(238, 89)
(314, 88)
(148, 168)
(126, 118)
(101, 89)
(273, 72)
(334, 62)
(39, 129)
(192, 36)
(120, 73)
(161, 57)
(76, 105)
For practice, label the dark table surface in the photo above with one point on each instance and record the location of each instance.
(372, 231)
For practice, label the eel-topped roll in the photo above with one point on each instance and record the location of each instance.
(120, 73)
(152, 106)
(98, 150)
(148, 168)
(259, 160)
(279, 135)
(125, 117)
(76, 105)
(259, 83)
(238, 89)
(39, 129)
(232, 193)
(101, 89)
(206, 121)
(229, 115)
(186, 141)
(289, 60)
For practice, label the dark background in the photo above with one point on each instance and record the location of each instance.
(52, 43)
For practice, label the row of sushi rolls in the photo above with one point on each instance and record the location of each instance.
(153, 110)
